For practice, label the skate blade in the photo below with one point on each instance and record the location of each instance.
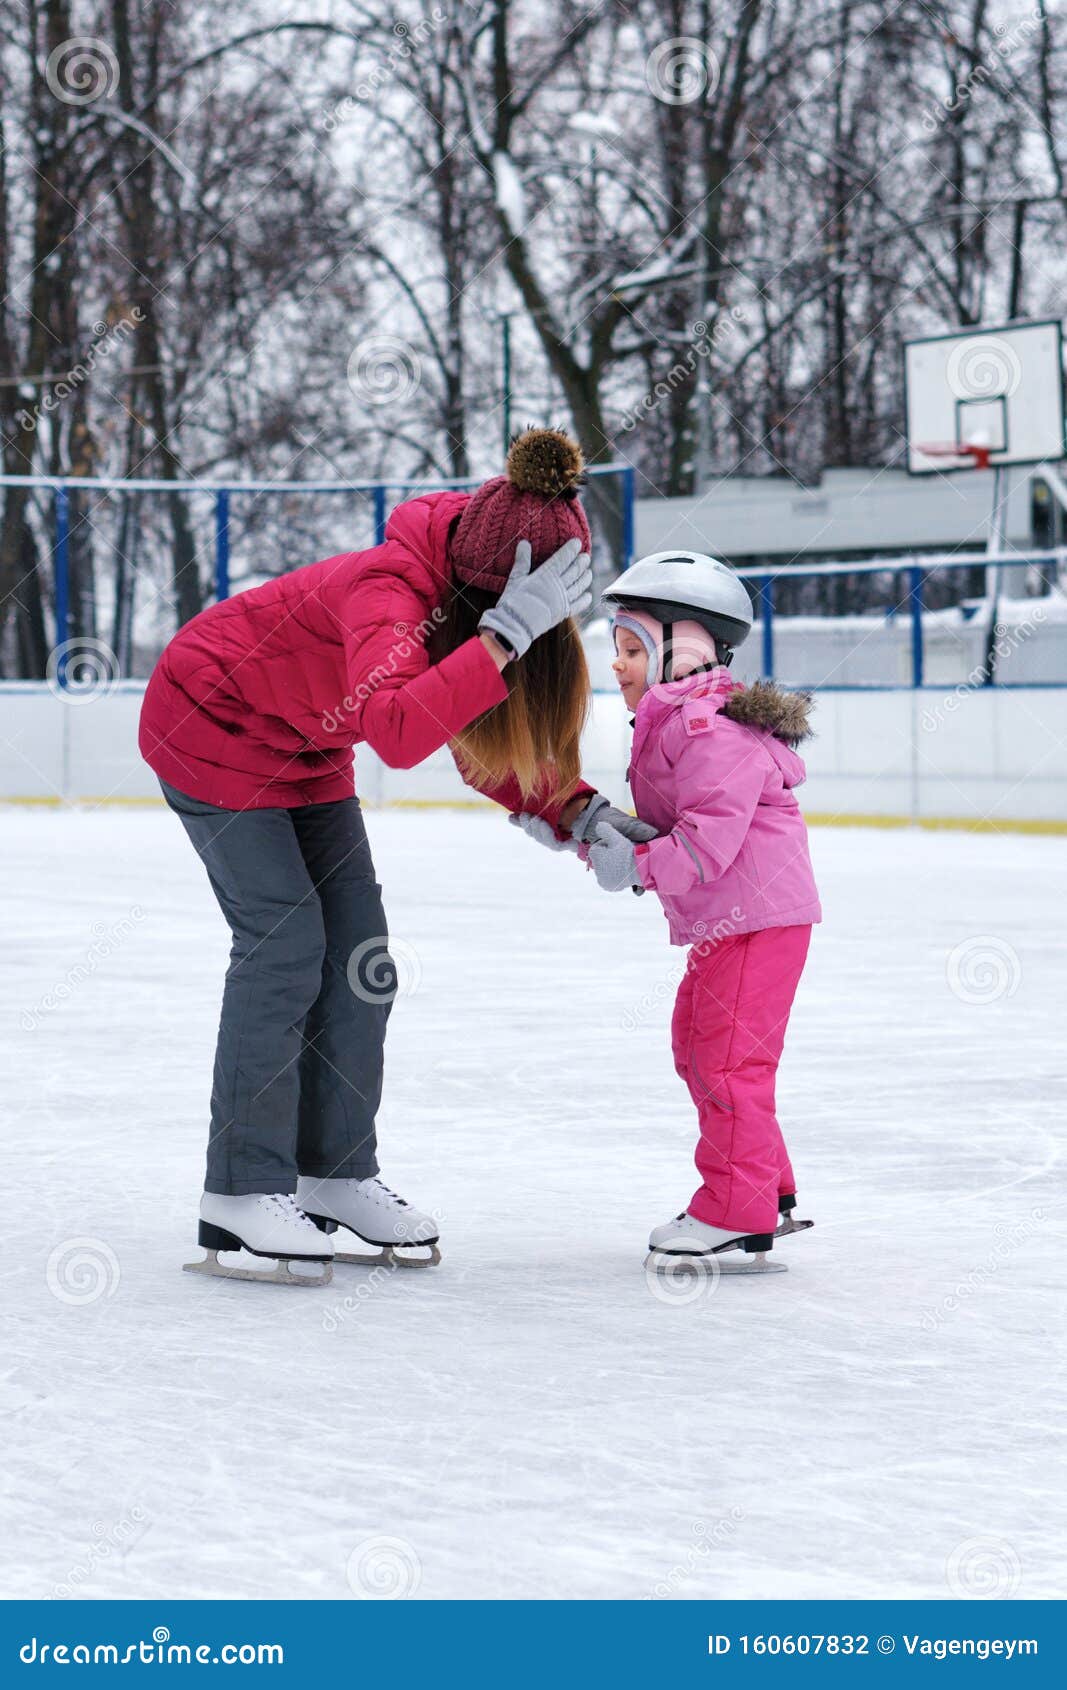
(285, 1273)
(391, 1255)
(789, 1226)
(683, 1266)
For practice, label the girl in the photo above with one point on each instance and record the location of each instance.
(713, 770)
(457, 630)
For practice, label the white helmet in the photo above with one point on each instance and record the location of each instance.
(687, 586)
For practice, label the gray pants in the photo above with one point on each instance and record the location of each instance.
(298, 1067)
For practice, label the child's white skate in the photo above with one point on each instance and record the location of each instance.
(688, 1245)
(402, 1235)
(264, 1225)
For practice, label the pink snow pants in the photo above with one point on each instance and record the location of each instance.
(727, 1033)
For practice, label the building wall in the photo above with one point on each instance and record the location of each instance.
(850, 512)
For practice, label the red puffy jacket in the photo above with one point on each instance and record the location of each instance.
(259, 700)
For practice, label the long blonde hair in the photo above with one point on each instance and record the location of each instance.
(536, 732)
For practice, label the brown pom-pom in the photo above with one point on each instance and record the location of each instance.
(545, 461)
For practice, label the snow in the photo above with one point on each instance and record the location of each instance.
(664, 270)
(530, 1420)
(597, 124)
(510, 197)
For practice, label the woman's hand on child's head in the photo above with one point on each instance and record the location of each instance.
(533, 601)
(612, 859)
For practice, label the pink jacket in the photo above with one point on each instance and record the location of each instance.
(259, 700)
(712, 770)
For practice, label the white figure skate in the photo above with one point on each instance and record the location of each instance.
(686, 1244)
(264, 1225)
(402, 1235)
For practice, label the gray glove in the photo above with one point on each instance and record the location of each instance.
(535, 827)
(600, 809)
(532, 603)
(612, 859)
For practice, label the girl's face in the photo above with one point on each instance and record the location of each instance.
(630, 667)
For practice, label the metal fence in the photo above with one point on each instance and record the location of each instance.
(229, 519)
(989, 630)
(888, 645)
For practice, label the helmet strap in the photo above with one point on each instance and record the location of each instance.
(668, 651)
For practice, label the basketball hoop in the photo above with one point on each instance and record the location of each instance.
(945, 449)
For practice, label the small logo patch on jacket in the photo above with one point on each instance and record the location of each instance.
(697, 724)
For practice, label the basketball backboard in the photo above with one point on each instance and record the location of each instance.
(999, 388)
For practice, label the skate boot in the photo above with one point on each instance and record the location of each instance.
(686, 1243)
(401, 1234)
(787, 1202)
(264, 1225)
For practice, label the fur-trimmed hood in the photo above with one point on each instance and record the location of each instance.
(763, 704)
(712, 772)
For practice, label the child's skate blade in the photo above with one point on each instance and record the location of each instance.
(788, 1226)
(688, 1265)
(288, 1270)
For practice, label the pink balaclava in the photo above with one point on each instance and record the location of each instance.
(692, 647)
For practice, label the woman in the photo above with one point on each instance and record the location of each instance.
(457, 630)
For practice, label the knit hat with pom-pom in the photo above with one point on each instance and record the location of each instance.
(536, 499)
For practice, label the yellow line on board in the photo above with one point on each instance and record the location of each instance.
(814, 818)
(940, 824)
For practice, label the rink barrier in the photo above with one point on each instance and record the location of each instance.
(814, 818)
(990, 759)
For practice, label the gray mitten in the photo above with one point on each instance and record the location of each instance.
(612, 859)
(600, 809)
(532, 603)
(535, 827)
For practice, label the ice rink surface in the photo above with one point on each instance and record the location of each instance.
(532, 1419)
